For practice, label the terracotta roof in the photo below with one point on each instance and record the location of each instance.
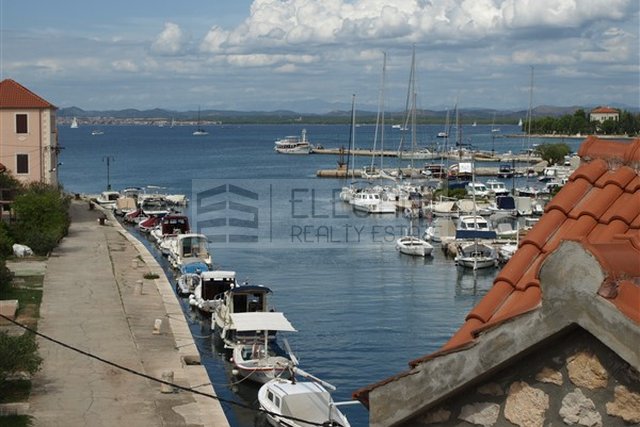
(604, 110)
(14, 95)
(599, 207)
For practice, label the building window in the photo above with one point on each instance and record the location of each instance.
(22, 163)
(21, 123)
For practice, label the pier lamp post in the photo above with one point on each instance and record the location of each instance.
(108, 160)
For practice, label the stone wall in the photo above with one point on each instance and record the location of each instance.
(572, 379)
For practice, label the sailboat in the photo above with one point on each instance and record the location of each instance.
(410, 244)
(199, 130)
(475, 254)
(370, 172)
(74, 123)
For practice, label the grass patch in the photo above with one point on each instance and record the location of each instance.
(14, 391)
(26, 289)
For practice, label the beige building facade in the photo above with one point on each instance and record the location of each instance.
(28, 134)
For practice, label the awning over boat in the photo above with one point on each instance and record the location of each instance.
(260, 321)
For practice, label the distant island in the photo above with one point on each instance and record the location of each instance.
(545, 119)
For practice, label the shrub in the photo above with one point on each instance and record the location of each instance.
(6, 241)
(42, 218)
(18, 353)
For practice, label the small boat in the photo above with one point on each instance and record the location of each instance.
(505, 170)
(207, 294)
(288, 403)
(496, 188)
(199, 130)
(170, 226)
(411, 245)
(107, 199)
(442, 134)
(293, 144)
(237, 302)
(477, 189)
(476, 255)
(262, 359)
(189, 247)
(190, 277)
(371, 201)
(74, 123)
(97, 132)
(473, 227)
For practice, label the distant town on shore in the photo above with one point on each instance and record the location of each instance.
(162, 117)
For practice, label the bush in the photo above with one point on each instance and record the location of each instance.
(6, 276)
(6, 241)
(18, 354)
(42, 218)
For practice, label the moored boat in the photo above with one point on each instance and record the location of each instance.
(411, 245)
(293, 144)
(289, 403)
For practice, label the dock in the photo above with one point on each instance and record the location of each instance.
(416, 172)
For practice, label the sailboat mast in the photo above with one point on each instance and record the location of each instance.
(352, 138)
(384, 72)
(529, 114)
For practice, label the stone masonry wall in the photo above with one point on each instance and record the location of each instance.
(570, 380)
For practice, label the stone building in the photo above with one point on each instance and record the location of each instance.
(602, 114)
(555, 341)
(28, 134)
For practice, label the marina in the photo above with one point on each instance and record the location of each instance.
(334, 269)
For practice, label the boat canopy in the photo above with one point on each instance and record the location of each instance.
(260, 321)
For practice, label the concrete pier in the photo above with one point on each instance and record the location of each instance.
(90, 302)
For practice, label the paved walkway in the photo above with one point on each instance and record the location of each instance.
(92, 301)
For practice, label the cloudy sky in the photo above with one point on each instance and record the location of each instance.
(311, 55)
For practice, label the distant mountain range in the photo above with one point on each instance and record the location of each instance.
(229, 116)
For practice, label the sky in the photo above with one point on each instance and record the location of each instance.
(312, 55)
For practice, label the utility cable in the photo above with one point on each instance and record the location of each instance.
(161, 381)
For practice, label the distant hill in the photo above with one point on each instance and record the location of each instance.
(481, 115)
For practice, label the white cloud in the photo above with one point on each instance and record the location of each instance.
(278, 24)
(170, 41)
(125, 65)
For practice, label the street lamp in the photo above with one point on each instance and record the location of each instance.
(108, 159)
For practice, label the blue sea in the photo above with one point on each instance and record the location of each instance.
(362, 311)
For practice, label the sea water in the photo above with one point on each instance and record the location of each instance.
(362, 310)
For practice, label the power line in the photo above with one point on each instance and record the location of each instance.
(161, 381)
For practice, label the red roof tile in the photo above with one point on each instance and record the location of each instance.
(604, 110)
(599, 207)
(14, 95)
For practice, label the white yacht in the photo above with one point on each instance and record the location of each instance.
(189, 247)
(497, 188)
(371, 201)
(293, 144)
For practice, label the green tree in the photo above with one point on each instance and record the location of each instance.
(18, 353)
(42, 218)
(553, 153)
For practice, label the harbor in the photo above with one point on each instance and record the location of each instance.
(354, 256)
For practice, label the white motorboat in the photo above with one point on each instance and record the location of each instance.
(207, 294)
(411, 245)
(371, 201)
(261, 359)
(289, 403)
(477, 189)
(293, 144)
(497, 188)
(189, 247)
(476, 255)
(107, 199)
(190, 277)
